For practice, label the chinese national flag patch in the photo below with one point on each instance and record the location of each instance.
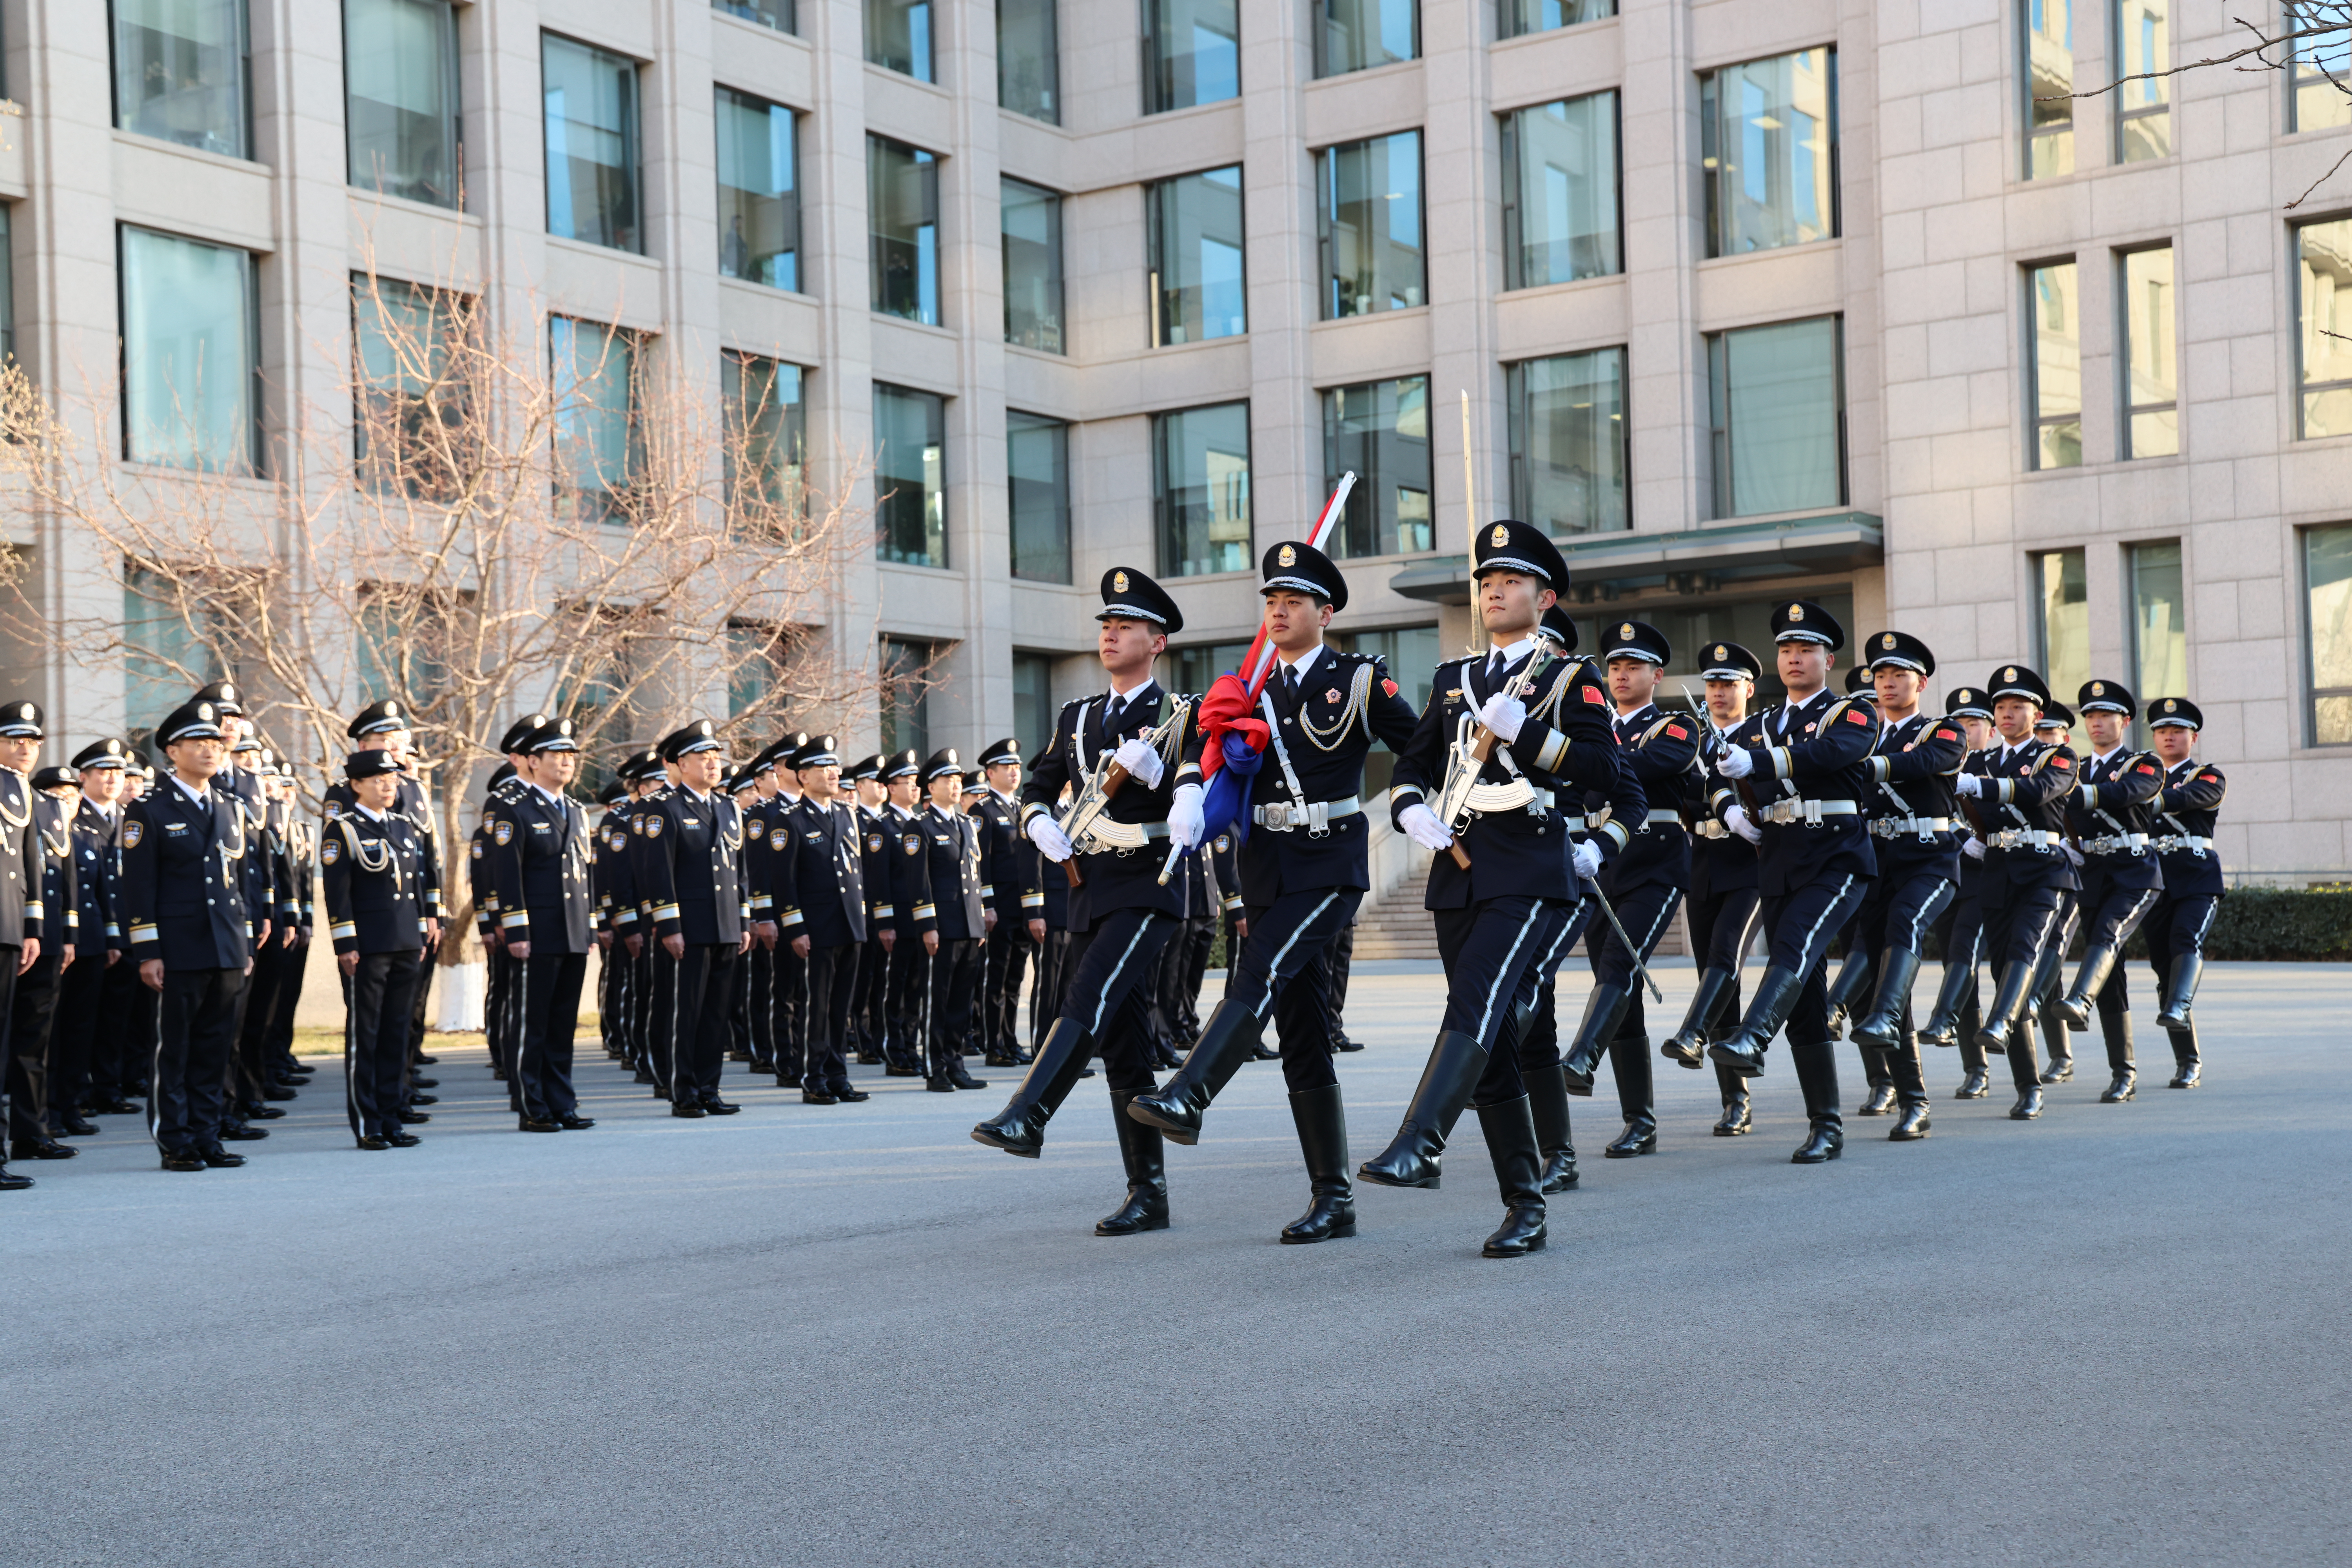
(1592, 695)
(1389, 687)
(1677, 732)
(1854, 716)
(2061, 763)
(2144, 768)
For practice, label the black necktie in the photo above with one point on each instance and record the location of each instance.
(1290, 680)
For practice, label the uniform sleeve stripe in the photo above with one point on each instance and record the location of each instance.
(1555, 747)
(343, 928)
(926, 911)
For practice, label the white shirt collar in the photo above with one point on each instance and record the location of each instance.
(202, 797)
(2115, 751)
(1303, 663)
(1133, 692)
(368, 811)
(548, 794)
(1514, 652)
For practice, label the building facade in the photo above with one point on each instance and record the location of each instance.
(1851, 298)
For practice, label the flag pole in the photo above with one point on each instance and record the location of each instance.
(1470, 512)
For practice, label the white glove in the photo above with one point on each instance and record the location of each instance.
(1969, 784)
(1141, 758)
(1503, 714)
(1421, 825)
(2073, 854)
(1736, 762)
(1186, 816)
(1047, 836)
(1737, 819)
(1587, 858)
(1973, 848)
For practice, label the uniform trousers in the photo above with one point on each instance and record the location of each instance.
(196, 1030)
(642, 974)
(2018, 932)
(377, 996)
(2177, 928)
(1802, 924)
(1488, 949)
(1009, 948)
(1722, 929)
(788, 1007)
(738, 1011)
(831, 977)
(1901, 910)
(497, 1009)
(1279, 976)
(759, 970)
(1646, 913)
(694, 1029)
(1200, 939)
(1537, 1044)
(908, 1003)
(1107, 990)
(611, 983)
(1053, 977)
(1962, 936)
(290, 1000)
(954, 990)
(550, 1018)
(249, 1075)
(74, 1037)
(1337, 960)
(2111, 915)
(32, 1010)
(870, 1006)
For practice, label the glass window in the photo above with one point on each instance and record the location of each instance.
(2321, 67)
(1028, 59)
(2327, 632)
(906, 696)
(1357, 35)
(2056, 371)
(776, 13)
(1369, 224)
(766, 441)
(759, 191)
(169, 645)
(1201, 489)
(2159, 623)
(1542, 16)
(1567, 442)
(400, 98)
(1410, 655)
(902, 201)
(899, 35)
(758, 665)
(1192, 53)
(1032, 219)
(1777, 400)
(2151, 387)
(181, 73)
(592, 144)
(910, 486)
(1033, 702)
(412, 433)
(1193, 232)
(1037, 472)
(191, 355)
(1200, 664)
(2048, 48)
(1380, 429)
(1768, 134)
(2324, 357)
(1560, 191)
(594, 380)
(2143, 114)
(2061, 621)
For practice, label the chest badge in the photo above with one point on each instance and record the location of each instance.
(874, 843)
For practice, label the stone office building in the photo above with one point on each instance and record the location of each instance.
(1739, 300)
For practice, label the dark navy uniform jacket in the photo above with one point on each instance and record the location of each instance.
(410, 802)
(1344, 702)
(953, 861)
(760, 820)
(1115, 879)
(185, 879)
(1814, 750)
(1911, 768)
(478, 883)
(906, 873)
(875, 824)
(1011, 876)
(22, 914)
(374, 873)
(2024, 789)
(817, 868)
(94, 881)
(689, 866)
(2188, 806)
(1721, 861)
(1566, 748)
(539, 864)
(60, 895)
(1658, 749)
(1224, 863)
(2116, 798)
(299, 894)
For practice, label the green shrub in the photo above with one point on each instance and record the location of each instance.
(2291, 925)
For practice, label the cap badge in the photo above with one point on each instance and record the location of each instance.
(1118, 582)
(1886, 641)
(1625, 632)
(1500, 537)
(2098, 688)
(204, 711)
(1796, 614)
(1288, 557)
(2010, 674)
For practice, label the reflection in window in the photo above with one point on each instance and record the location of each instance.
(1380, 430)
(902, 199)
(594, 382)
(592, 144)
(2159, 623)
(1357, 35)
(1192, 53)
(1037, 465)
(1768, 146)
(400, 98)
(759, 191)
(2151, 381)
(181, 69)
(766, 434)
(1776, 398)
(910, 484)
(1560, 191)
(2047, 43)
(1193, 232)
(1370, 225)
(1197, 665)
(899, 35)
(2056, 371)
(2327, 632)
(906, 675)
(191, 355)
(2062, 620)
(1542, 16)
(2143, 112)
(1028, 59)
(1411, 655)
(1033, 702)
(2324, 341)
(2321, 67)
(1201, 489)
(776, 13)
(1567, 442)
(413, 430)
(1032, 220)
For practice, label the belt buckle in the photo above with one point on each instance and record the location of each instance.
(1278, 817)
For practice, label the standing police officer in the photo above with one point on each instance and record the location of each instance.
(539, 862)
(820, 872)
(689, 866)
(86, 1038)
(374, 863)
(117, 1062)
(32, 1122)
(912, 934)
(1012, 863)
(953, 857)
(21, 912)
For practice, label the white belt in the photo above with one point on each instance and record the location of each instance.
(1317, 816)
(2022, 838)
(1808, 812)
(1899, 827)
(2172, 843)
(1709, 827)
(2116, 843)
(1663, 820)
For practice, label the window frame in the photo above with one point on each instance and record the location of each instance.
(615, 507)
(1723, 439)
(2125, 365)
(2134, 649)
(1514, 194)
(1519, 424)
(1061, 275)
(255, 462)
(2313, 692)
(2297, 64)
(1362, 501)
(2038, 603)
(1155, 239)
(244, 86)
(633, 140)
(1147, 42)
(2123, 117)
(1320, 26)
(1506, 20)
(790, 25)
(1327, 221)
(2304, 387)
(2035, 420)
(1167, 548)
(926, 164)
(1710, 163)
(452, 86)
(719, 91)
(1053, 115)
(930, 73)
(885, 548)
(1064, 430)
(2029, 138)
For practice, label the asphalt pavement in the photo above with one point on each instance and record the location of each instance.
(850, 1335)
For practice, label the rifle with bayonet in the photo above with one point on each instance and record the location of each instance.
(1466, 760)
(1103, 783)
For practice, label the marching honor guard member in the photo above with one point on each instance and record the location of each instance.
(1802, 770)
(1304, 867)
(1507, 874)
(2113, 817)
(689, 868)
(1132, 755)
(1954, 1018)
(539, 862)
(949, 841)
(2187, 808)
(187, 902)
(373, 860)
(820, 872)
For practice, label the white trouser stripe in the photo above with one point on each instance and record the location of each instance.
(1110, 984)
(1486, 1013)
(1836, 903)
(1265, 1001)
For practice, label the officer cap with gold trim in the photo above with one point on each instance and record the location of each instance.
(1858, 682)
(1802, 620)
(700, 736)
(20, 721)
(198, 721)
(1636, 639)
(1729, 661)
(110, 752)
(555, 735)
(1129, 595)
(974, 785)
(521, 730)
(1560, 626)
(377, 719)
(55, 777)
(779, 753)
(864, 769)
(903, 764)
(2017, 680)
(815, 751)
(2106, 697)
(228, 702)
(1510, 545)
(1303, 569)
(942, 763)
(2174, 713)
(2055, 716)
(1968, 702)
(1008, 750)
(1900, 649)
(369, 765)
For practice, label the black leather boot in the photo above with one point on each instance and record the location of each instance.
(2115, 1025)
(1911, 1122)
(2008, 1008)
(1604, 1007)
(1880, 1100)
(2024, 1072)
(1511, 1141)
(1629, 1057)
(1687, 1044)
(1144, 1153)
(1743, 1052)
(1883, 1025)
(1412, 1157)
(2181, 991)
(2090, 982)
(1943, 1025)
(1849, 990)
(2189, 1069)
(2058, 1040)
(1816, 1065)
(1228, 1039)
(1548, 1103)
(1322, 1124)
(1020, 1127)
(1736, 1119)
